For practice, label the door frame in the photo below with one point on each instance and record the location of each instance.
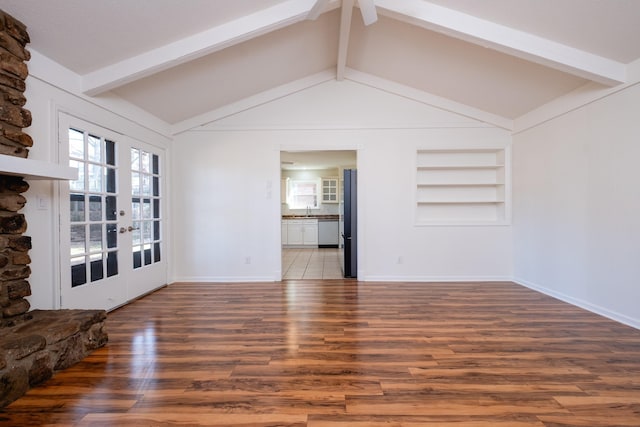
(63, 118)
(360, 217)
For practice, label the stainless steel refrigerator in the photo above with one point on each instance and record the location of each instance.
(350, 234)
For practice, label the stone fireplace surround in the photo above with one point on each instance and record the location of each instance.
(33, 344)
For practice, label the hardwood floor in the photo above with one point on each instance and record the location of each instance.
(346, 353)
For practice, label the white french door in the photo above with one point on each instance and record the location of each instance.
(111, 222)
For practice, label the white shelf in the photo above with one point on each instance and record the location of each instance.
(461, 186)
(35, 169)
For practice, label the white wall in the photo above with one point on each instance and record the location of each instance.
(577, 206)
(227, 209)
(44, 101)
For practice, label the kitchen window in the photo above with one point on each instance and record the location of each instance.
(303, 194)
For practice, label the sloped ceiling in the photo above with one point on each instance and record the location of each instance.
(179, 60)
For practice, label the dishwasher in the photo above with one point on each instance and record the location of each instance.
(328, 233)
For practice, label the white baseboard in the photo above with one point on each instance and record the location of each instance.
(436, 279)
(618, 317)
(222, 279)
(621, 318)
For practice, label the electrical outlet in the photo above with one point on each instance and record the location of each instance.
(247, 260)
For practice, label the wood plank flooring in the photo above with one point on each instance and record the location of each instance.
(346, 353)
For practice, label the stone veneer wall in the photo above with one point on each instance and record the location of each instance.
(33, 345)
(14, 260)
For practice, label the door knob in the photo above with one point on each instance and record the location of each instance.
(123, 230)
(131, 228)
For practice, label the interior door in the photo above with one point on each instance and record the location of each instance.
(111, 250)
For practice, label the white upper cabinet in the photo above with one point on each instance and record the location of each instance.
(329, 190)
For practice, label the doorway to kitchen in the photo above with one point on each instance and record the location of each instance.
(312, 213)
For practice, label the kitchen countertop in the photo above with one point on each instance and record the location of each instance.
(334, 217)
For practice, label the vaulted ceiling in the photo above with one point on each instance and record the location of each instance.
(181, 60)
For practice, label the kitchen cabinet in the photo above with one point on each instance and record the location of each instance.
(300, 232)
(310, 232)
(294, 232)
(329, 190)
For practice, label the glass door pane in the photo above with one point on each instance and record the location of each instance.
(111, 230)
(93, 250)
(145, 207)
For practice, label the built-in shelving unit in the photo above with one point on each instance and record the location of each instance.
(462, 186)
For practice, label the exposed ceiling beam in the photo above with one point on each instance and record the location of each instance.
(343, 43)
(368, 10)
(504, 39)
(318, 9)
(196, 46)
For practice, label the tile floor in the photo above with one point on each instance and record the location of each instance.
(313, 263)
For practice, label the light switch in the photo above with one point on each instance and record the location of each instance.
(43, 203)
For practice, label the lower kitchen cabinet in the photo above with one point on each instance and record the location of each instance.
(310, 232)
(294, 232)
(300, 232)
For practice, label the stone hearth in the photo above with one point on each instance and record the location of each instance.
(36, 344)
(33, 344)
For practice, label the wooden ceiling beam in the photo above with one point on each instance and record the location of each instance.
(196, 46)
(318, 9)
(506, 40)
(368, 11)
(343, 43)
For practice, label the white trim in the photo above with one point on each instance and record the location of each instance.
(199, 123)
(584, 95)
(56, 147)
(368, 11)
(506, 40)
(224, 279)
(51, 73)
(196, 46)
(593, 308)
(317, 9)
(316, 126)
(428, 99)
(434, 279)
(35, 169)
(253, 101)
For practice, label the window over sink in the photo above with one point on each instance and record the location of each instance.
(303, 194)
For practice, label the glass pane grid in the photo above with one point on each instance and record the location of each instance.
(145, 206)
(93, 207)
